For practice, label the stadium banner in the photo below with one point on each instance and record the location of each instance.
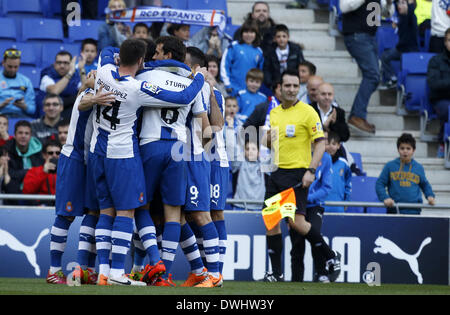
(375, 248)
(177, 16)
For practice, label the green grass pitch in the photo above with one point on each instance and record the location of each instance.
(21, 286)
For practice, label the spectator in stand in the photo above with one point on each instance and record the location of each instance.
(265, 25)
(359, 28)
(110, 33)
(438, 80)
(209, 40)
(140, 30)
(41, 180)
(63, 79)
(313, 88)
(440, 22)
(306, 70)
(341, 174)
(181, 31)
(404, 178)
(250, 178)
(63, 131)
(407, 42)
(240, 57)
(231, 130)
(4, 126)
(5, 178)
(17, 96)
(88, 57)
(213, 66)
(46, 126)
(250, 97)
(24, 152)
(423, 15)
(138, 3)
(281, 56)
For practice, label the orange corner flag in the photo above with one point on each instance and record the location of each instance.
(280, 206)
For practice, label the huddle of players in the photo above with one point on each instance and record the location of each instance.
(178, 166)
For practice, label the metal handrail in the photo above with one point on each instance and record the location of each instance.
(245, 202)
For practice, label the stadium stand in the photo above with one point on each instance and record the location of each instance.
(87, 29)
(8, 29)
(335, 18)
(14, 120)
(447, 143)
(207, 5)
(25, 9)
(424, 43)
(363, 189)
(427, 116)
(32, 73)
(42, 30)
(176, 4)
(49, 51)
(357, 158)
(411, 81)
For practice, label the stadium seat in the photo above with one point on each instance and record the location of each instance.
(22, 9)
(8, 29)
(386, 38)
(31, 53)
(424, 43)
(447, 144)
(230, 29)
(176, 4)
(412, 81)
(358, 160)
(102, 5)
(87, 29)
(49, 52)
(207, 5)
(32, 73)
(12, 123)
(427, 115)
(363, 189)
(42, 30)
(335, 18)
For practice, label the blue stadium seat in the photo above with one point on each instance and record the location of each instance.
(335, 18)
(424, 43)
(42, 30)
(358, 160)
(207, 5)
(412, 81)
(102, 5)
(22, 9)
(176, 4)
(8, 29)
(386, 38)
(363, 189)
(87, 29)
(32, 73)
(49, 52)
(427, 115)
(447, 143)
(230, 29)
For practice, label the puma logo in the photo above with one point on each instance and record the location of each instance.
(195, 203)
(9, 240)
(386, 246)
(214, 201)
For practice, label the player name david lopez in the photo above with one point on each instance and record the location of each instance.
(225, 304)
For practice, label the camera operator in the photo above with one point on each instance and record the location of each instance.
(42, 179)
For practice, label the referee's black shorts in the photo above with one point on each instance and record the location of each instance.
(283, 179)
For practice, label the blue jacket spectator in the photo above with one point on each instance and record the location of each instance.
(321, 187)
(17, 96)
(239, 58)
(341, 184)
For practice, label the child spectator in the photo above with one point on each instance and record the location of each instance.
(404, 179)
(240, 57)
(250, 179)
(88, 59)
(342, 175)
(140, 30)
(407, 41)
(213, 66)
(250, 97)
(231, 132)
(281, 56)
(306, 70)
(4, 125)
(181, 31)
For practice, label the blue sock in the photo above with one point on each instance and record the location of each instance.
(86, 244)
(159, 231)
(169, 244)
(198, 235)
(121, 240)
(211, 247)
(58, 239)
(188, 243)
(103, 242)
(147, 234)
(139, 252)
(222, 231)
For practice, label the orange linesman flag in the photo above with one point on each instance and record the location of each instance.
(280, 206)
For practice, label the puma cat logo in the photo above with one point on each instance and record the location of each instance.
(13, 243)
(386, 246)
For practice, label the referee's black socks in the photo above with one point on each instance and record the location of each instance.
(275, 249)
(316, 240)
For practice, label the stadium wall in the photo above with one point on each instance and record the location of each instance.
(378, 248)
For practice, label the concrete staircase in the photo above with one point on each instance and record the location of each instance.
(309, 27)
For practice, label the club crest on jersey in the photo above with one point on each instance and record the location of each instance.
(69, 206)
(141, 197)
(154, 89)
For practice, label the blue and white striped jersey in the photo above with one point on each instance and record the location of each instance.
(80, 131)
(218, 152)
(115, 127)
(167, 123)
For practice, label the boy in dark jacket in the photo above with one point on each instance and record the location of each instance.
(281, 56)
